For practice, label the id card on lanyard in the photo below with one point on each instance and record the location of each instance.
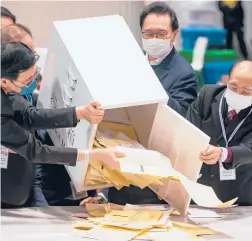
(227, 175)
(4, 157)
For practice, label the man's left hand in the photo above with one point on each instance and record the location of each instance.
(90, 112)
(211, 155)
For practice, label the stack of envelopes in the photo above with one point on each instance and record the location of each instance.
(132, 224)
(123, 136)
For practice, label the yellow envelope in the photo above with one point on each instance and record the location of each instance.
(111, 233)
(133, 220)
(127, 130)
(95, 210)
(192, 229)
(83, 225)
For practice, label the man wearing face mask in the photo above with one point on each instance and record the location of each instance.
(18, 70)
(225, 114)
(159, 27)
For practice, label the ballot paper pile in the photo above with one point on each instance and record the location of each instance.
(151, 170)
(141, 167)
(109, 222)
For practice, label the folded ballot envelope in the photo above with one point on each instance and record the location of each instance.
(81, 68)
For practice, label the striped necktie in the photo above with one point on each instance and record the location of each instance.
(231, 115)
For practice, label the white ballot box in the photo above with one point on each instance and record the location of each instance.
(95, 59)
(99, 59)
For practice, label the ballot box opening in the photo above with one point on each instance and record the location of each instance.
(127, 127)
(140, 118)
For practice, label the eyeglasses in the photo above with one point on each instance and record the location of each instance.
(34, 79)
(159, 35)
(36, 56)
(247, 91)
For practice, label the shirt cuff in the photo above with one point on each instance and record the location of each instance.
(226, 156)
(229, 158)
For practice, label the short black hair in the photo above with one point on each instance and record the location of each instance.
(16, 57)
(7, 13)
(159, 8)
(14, 32)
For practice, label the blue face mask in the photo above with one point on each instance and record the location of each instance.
(28, 89)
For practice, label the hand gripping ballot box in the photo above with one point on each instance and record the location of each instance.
(99, 59)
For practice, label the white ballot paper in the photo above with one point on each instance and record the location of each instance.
(144, 162)
(204, 196)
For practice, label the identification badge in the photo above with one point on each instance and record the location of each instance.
(227, 175)
(4, 157)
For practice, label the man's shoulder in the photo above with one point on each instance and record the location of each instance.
(179, 62)
(6, 109)
(209, 92)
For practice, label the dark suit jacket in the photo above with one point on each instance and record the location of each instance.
(18, 122)
(232, 17)
(54, 180)
(15, 137)
(180, 82)
(204, 114)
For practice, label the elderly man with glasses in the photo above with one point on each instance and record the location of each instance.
(225, 114)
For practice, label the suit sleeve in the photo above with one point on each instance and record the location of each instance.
(195, 111)
(241, 154)
(26, 145)
(33, 118)
(183, 93)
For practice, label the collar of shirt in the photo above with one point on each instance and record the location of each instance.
(230, 109)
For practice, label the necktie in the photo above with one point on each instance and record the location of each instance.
(231, 115)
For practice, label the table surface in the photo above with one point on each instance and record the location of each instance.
(54, 223)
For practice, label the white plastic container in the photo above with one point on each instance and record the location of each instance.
(99, 59)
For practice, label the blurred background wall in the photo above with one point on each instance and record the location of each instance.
(39, 15)
(183, 8)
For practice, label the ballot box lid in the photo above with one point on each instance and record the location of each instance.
(110, 61)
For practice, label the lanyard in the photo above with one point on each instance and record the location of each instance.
(223, 127)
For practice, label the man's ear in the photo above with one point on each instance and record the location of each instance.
(4, 82)
(175, 34)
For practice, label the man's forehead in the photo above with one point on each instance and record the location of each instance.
(154, 19)
(241, 68)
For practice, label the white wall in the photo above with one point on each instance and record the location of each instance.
(39, 15)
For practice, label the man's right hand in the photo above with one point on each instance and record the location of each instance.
(90, 112)
(107, 156)
(89, 200)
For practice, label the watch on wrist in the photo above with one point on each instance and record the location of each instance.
(101, 198)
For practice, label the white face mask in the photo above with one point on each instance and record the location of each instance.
(157, 48)
(236, 101)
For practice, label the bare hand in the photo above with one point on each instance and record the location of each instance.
(90, 112)
(89, 200)
(224, 79)
(107, 157)
(211, 155)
